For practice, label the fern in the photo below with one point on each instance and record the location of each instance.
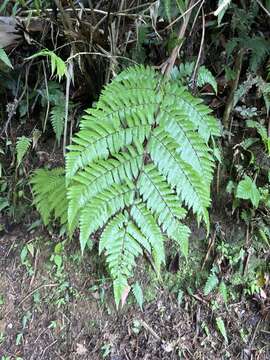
(140, 153)
(50, 196)
(57, 116)
(223, 291)
(58, 65)
(211, 283)
(184, 71)
(22, 146)
(257, 45)
(138, 294)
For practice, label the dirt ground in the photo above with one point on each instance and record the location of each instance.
(49, 312)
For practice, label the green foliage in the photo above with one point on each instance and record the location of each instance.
(139, 154)
(221, 328)
(258, 46)
(223, 5)
(184, 72)
(223, 291)
(248, 190)
(4, 58)
(262, 132)
(211, 283)
(22, 146)
(57, 117)
(138, 294)
(50, 196)
(172, 8)
(57, 64)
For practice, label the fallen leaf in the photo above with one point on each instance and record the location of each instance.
(81, 349)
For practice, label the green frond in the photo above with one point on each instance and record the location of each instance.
(101, 207)
(101, 175)
(184, 72)
(57, 117)
(22, 146)
(160, 199)
(92, 146)
(152, 232)
(191, 146)
(211, 283)
(140, 155)
(193, 109)
(206, 77)
(123, 242)
(50, 195)
(189, 184)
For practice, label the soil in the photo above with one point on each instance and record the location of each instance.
(47, 315)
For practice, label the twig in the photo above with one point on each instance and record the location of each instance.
(68, 80)
(107, 55)
(148, 328)
(97, 11)
(196, 67)
(190, 8)
(254, 334)
(264, 8)
(34, 290)
(210, 246)
(170, 62)
(47, 94)
(35, 269)
(46, 348)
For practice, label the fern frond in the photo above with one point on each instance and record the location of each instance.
(152, 232)
(206, 77)
(138, 294)
(100, 175)
(57, 117)
(194, 110)
(191, 146)
(140, 154)
(189, 184)
(22, 146)
(160, 200)
(211, 283)
(184, 72)
(50, 195)
(123, 243)
(102, 207)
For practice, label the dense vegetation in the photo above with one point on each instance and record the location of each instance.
(137, 135)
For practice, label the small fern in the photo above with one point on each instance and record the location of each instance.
(211, 282)
(140, 153)
(22, 146)
(57, 117)
(184, 71)
(138, 294)
(58, 65)
(258, 46)
(50, 196)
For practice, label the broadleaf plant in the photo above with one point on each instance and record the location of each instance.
(140, 157)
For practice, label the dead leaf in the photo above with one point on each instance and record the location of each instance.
(81, 349)
(125, 295)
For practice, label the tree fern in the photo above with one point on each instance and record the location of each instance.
(140, 156)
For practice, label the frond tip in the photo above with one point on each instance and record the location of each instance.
(140, 156)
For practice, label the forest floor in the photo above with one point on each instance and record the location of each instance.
(51, 310)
